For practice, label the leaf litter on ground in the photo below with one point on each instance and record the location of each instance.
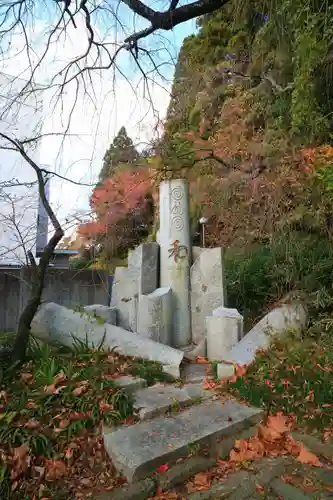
(50, 422)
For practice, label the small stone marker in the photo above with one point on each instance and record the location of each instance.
(207, 289)
(155, 316)
(224, 329)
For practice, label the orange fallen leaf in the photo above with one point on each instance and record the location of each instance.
(201, 360)
(209, 384)
(306, 457)
(202, 481)
(278, 423)
(259, 488)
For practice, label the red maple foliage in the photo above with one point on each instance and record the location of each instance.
(118, 196)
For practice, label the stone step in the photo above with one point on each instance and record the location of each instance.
(130, 384)
(160, 398)
(138, 450)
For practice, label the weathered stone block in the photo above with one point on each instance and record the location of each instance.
(109, 314)
(207, 289)
(225, 370)
(140, 277)
(138, 450)
(279, 320)
(54, 323)
(154, 319)
(226, 312)
(222, 335)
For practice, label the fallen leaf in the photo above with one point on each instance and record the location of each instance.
(21, 461)
(81, 388)
(259, 488)
(209, 384)
(201, 360)
(32, 424)
(31, 403)
(278, 423)
(202, 481)
(26, 377)
(59, 378)
(104, 407)
(3, 395)
(55, 469)
(306, 457)
(74, 416)
(52, 389)
(68, 453)
(163, 468)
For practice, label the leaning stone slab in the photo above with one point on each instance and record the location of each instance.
(155, 315)
(54, 323)
(137, 450)
(140, 277)
(207, 289)
(275, 322)
(160, 398)
(109, 314)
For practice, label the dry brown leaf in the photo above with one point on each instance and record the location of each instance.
(201, 360)
(202, 481)
(21, 461)
(81, 388)
(268, 433)
(32, 424)
(52, 389)
(26, 377)
(55, 469)
(306, 457)
(59, 378)
(104, 407)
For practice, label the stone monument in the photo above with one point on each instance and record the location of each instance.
(175, 255)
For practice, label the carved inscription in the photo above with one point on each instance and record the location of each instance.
(178, 251)
(177, 211)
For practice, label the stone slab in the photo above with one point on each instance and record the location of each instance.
(54, 323)
(287, 491)
(141, 490)
(207, 289)
(182, 472)
(140, 277)
(159, 398)
(194, 372)
(277, 321)
(109, 314)
(222, 335)
(130, 384)
(154, 319)
(125, 298)
(176, 255)
(138, 450)
(227, 312)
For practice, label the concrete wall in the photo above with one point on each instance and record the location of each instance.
(66, 287)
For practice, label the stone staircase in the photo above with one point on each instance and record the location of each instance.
(173, 422)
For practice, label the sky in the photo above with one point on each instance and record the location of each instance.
(111, 103)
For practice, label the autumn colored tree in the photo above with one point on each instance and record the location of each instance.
(123, 212)
(121, 151)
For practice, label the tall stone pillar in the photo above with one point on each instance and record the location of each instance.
(175, 255)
